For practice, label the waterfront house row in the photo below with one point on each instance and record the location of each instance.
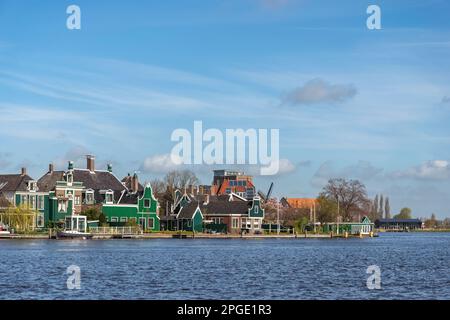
(58, 194)
(228, 213)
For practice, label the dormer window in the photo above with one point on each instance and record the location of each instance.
(109, 197)
(69, 178)
(32, 186)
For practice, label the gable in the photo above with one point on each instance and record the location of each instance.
(148, 203)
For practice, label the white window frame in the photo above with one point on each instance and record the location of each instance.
(111, 194)
(91, 194)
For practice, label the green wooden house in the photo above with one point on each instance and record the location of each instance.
(364, 227)
(144, 212)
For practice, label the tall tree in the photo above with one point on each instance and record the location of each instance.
(387, 209)
(376, 203)
(350, 195)
(381, 207)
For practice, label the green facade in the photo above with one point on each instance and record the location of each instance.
(194, 224)
(256, 211)
(143, 213)
(36, 201)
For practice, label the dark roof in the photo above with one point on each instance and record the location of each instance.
(131, 198)
(48, 181)
(225, 207)
(14, 182)
(187, 212)
(399, 221)
(4, 203)
(98, 180)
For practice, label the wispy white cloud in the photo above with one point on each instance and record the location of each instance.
(430, 170)
(319, 91)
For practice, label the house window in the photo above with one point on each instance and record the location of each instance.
(235, 223)
(142, 223)
(114, 219)
(109, 197)
(146, 203)
(89, 197)
(123, 219)
(151, 223)
(62, 206)
(32, 185)
(217, 220)
(256, 209)
(24, 200)
(40, 220)
(40, 202)
(77, 200)
(69, 178)
(33, 202)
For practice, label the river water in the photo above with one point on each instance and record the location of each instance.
(412, 265)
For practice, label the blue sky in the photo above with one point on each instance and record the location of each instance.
(349, 102)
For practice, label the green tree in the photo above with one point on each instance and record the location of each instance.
(326, 210)
(20, 218)
(94, 214)
(301, 223)
(405, 213)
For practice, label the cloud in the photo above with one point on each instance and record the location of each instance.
(161, 163)
(430, 170)
(363, 171)
(319, 91)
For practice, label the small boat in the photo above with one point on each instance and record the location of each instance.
(75, 228)
(73, 234)
(4, 231)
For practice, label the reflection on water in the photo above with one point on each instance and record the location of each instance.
(413, 266)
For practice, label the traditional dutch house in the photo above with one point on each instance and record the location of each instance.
(224, 213)
(145, 211)
(22, 190)
(100, 186)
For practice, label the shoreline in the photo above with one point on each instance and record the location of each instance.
(190, 236)
(175, 236)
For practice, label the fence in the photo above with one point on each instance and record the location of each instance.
(115, 230)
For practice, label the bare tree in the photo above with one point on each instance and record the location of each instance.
(180, 180)
(158, 187)
(351, 195)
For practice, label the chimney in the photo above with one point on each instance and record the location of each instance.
(90, 163)
(24, 171)
(135, 183)
(50, 168)
(109, 167)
